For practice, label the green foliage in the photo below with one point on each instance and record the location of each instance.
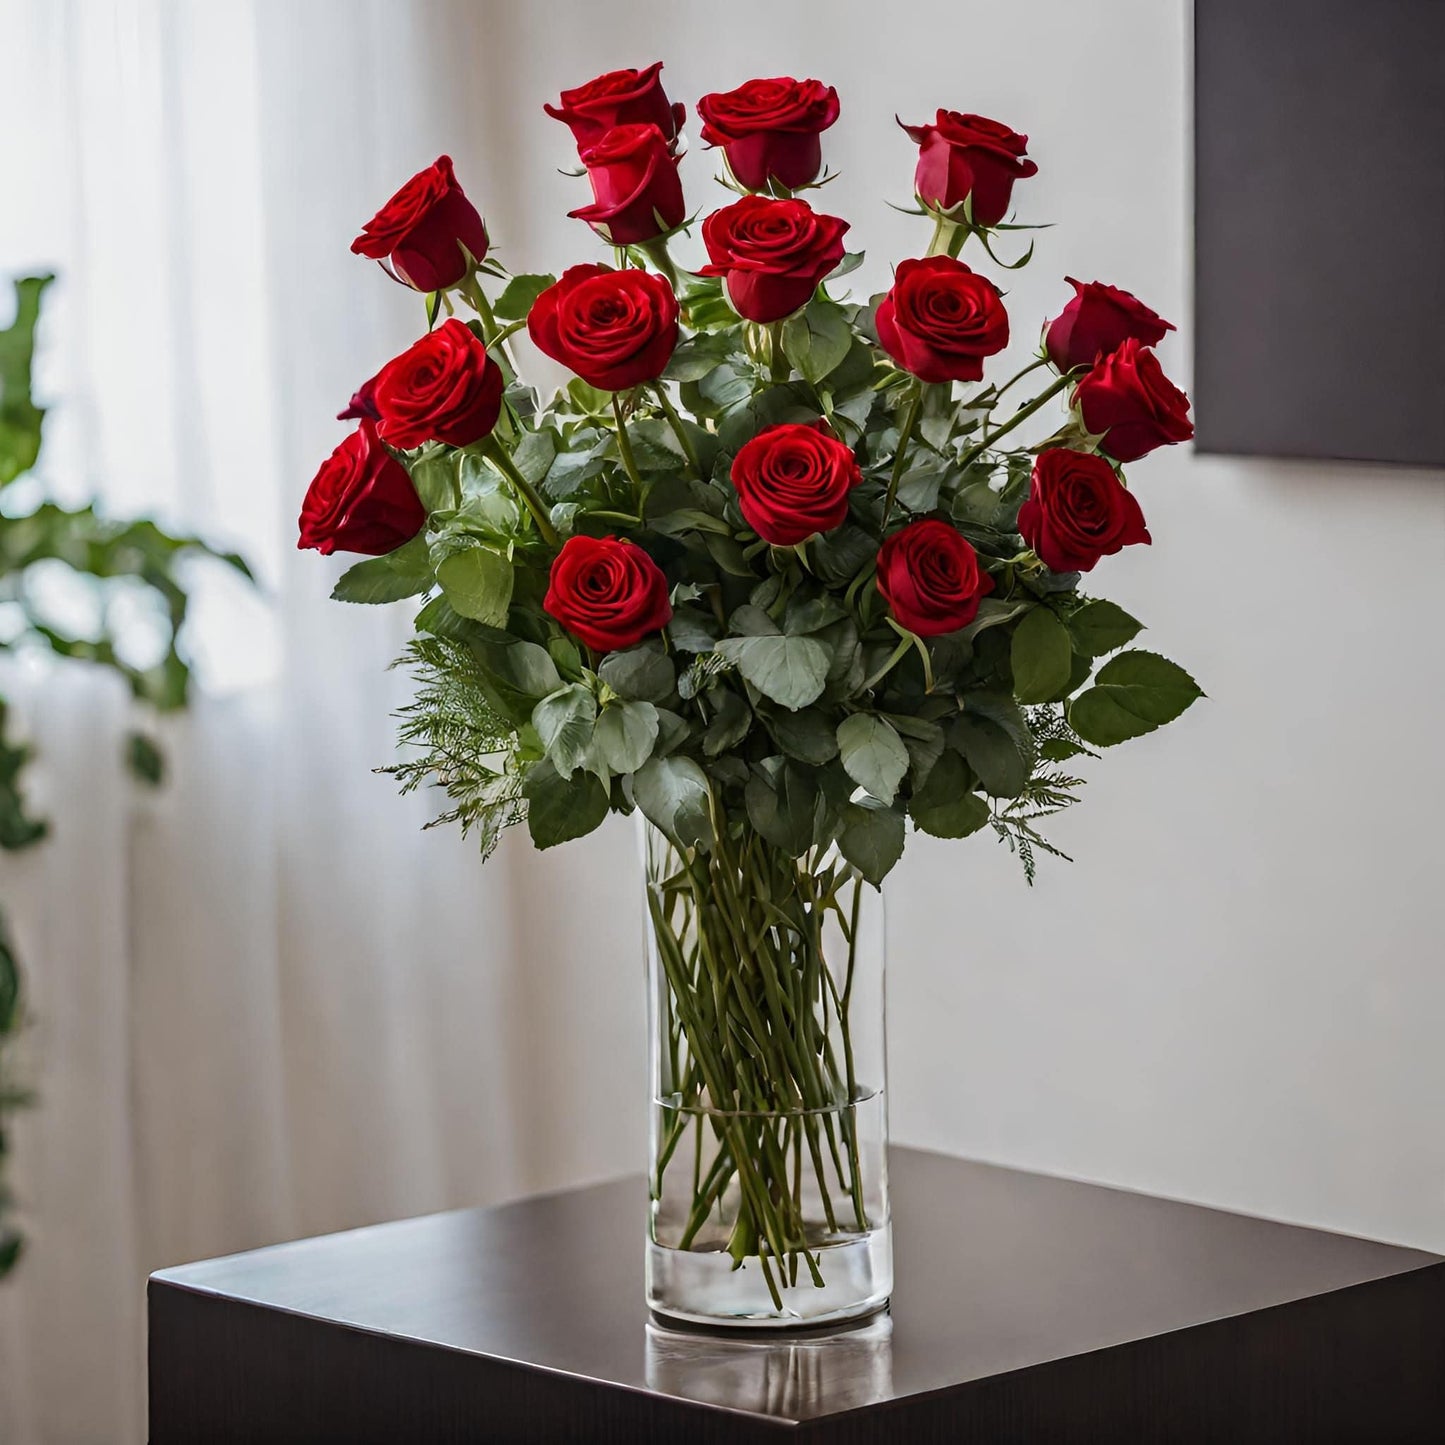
(782, 701)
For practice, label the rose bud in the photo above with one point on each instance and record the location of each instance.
(793, 481)
(615, 329)
(1097, 321)
(426, 231)
(771, 254)
(930, 578)
(608, 592)
(361, 500)
(769, 129)
(941, 319)
(443, 388)
(621, 97)
(1126, 400)
(362, 406)
(963, 156)
(1078, 511)
(634, 183)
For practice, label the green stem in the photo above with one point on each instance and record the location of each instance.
(780, 368)
(497, 454)
(1023, 414)
(678, 429)
(905, 435)
(894, 658)
(624, 445)
(657, 253)
(1034, 365)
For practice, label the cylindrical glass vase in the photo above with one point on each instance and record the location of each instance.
(769, 1121)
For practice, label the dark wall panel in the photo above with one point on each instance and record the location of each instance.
(1320, 228)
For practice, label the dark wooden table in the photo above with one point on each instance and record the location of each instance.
(1027, 1309)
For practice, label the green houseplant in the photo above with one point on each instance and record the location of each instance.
(106, 553)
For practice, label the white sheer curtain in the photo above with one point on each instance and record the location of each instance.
(267, 1004)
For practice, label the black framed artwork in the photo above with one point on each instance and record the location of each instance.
(1320, 229)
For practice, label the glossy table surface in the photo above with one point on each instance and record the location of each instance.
(998, 1271)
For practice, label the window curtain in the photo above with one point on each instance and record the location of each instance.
(265, 1002)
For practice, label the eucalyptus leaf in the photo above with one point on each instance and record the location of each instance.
(873, 754)
(946, 805)
(1002, 767)
(673, 794)
(564, 721)
(781, 802)
(871, 839)
(560, 809)
(817, 338)
(1041, 655)
(790, 670)
(644, 673)
(625, 735)
(478, 584)
(405, 572)
(807, 735)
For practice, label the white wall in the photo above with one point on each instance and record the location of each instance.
(1235, 994)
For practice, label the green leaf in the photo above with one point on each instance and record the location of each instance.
(994, 612)
(478, 584)
(560, 809)
(405, 572)
(790, 670)
(144, 759)
(1133, 694)
(731, 721)
(946, 805)
(1101, 627)
(674, 796)
(533, 455)
(996, 757)
(873, 754)
(698, 355)
(434, 475)
(807, 735)
(564, 721)
(817, 338)
(871, 839)
(644, 673)
(516, 674)
(1041, 655)
(519, 294)
(625, 735)
(781, 802)
(20, 418)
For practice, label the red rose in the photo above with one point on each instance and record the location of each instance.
(1078, 511)
(792, 481)
(621, 97)
(941, 320)
(608, 592)
(634, 182)
(443, 388)
(423, 228)
(771, 254)
(770, 128)
(1128, 402)
(1098, 320)
(361, 500)
(930, 578)
(362, 406)
(615, 329)
(968, 155)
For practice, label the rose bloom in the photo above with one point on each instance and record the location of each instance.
(362, 406)
(423, 228)
(634, 182)
(929, 576)
(770, 129)
(1128, 402)
(1078, 511)
(1097, 321)
(361, 500)
(793, 480)
(608, 592)
(771, 254)
(615, 329)
(442, 388)
(962, 156)
(621, 97)
(941, 319)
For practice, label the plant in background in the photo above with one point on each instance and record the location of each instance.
(775, 569)
(112, 557)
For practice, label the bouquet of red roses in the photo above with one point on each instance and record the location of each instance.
(772, 568)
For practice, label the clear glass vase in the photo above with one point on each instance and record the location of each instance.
(769, 1119)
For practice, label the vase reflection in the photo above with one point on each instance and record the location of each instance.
(793, 1377)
